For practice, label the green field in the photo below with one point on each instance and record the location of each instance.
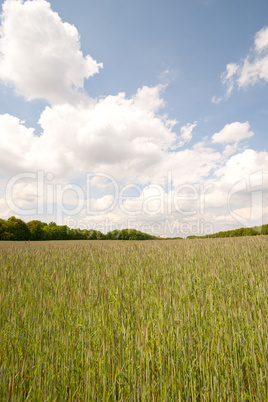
(152, 320)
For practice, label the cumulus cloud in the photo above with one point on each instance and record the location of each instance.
(233, 133)
(192, 208)
(40, 55)
(115, 131)
(125, 137)
(15, 142)
(252, 69)
(191, 165)
(243, 164)
(148, 98)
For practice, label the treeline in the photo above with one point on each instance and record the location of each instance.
(16, 229)
(253, 231)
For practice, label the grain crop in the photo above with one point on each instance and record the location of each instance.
(134, 321)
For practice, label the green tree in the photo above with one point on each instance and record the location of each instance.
(264, 230)
(18, 229)
(4, 232)
(37, 230)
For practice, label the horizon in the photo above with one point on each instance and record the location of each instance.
(14, 229)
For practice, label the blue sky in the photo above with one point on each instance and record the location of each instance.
(194, 40)
(188, 70)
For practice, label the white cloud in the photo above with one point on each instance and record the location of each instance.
(261, 40)
(114, 133)
(148, 98)
(243, 165)
(186, 133)
(233, 132)
(191, 165)
(216, 100)
(253, 68)
(124, 137)
(252, 72)
(193, 201)
(228, 77)
(40, 55)
(230, 149)
(15, 142)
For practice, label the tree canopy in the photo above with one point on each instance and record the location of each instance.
(253, 231)
(16, 229)
(35, 230)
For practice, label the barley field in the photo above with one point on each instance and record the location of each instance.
(134, 321)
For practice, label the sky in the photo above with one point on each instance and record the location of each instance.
(149, 114)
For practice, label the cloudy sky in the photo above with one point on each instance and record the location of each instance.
(148, 114)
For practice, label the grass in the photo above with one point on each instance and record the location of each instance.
(145, 321)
